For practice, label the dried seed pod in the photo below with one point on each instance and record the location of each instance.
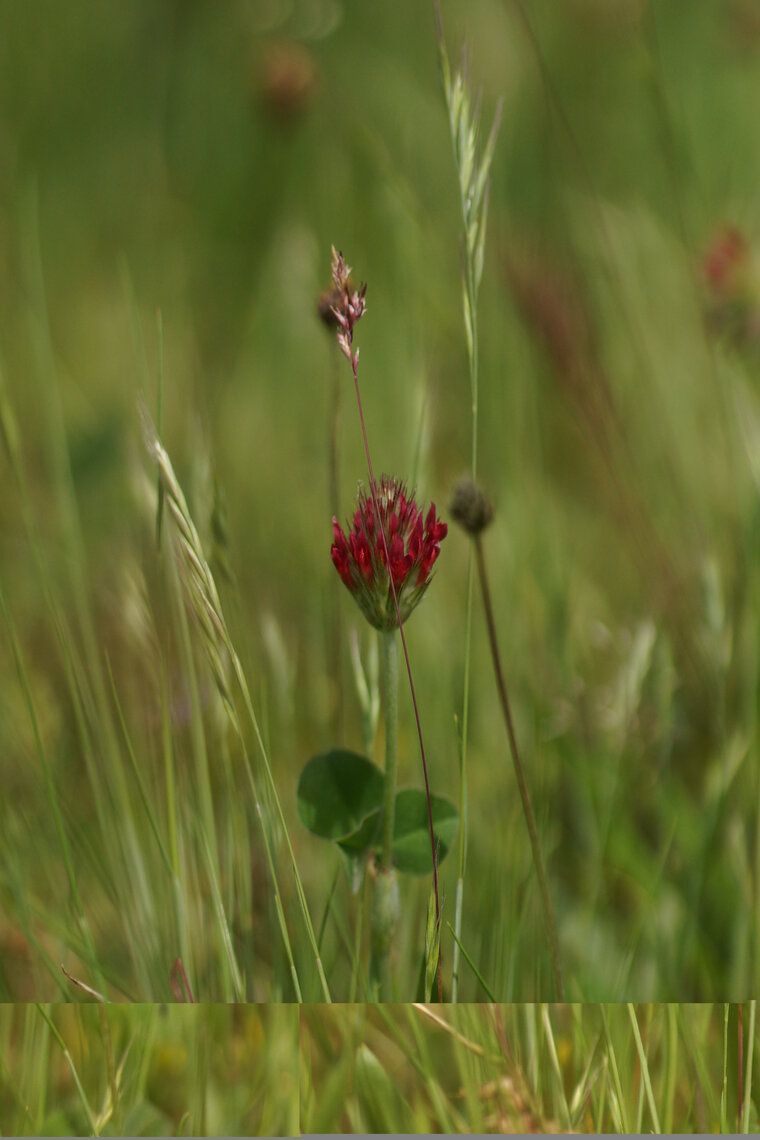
(470, 507)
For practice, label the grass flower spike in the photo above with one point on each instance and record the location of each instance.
(412, 547)
(349, 306)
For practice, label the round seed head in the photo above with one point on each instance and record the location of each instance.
(327, 304)
(470, 507)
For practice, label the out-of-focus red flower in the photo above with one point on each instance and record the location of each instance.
(732, 286)
(413, 544)
(725, 263)
(289, 80)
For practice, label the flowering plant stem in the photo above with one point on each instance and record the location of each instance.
(333, 489)
(527, 806)
(373, 490)
(385, 902)
(348, 310)
(390, 682)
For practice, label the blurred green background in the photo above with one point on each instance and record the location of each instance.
(201, 160)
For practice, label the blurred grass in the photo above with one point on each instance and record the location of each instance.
(148, 1070)
(90, 1069)
(173, 156)
(522, 1069)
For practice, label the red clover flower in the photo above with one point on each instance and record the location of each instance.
(725, 264)
(413, 546)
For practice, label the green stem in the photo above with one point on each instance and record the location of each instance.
(94, 1129)
(748, 1079)
(390, 682)
(472, 346)
(463, 815)
(385, 903)
(644, 1064)
(357, 940)
(530, 819)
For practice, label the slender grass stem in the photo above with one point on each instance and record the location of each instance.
(77, 561)
(646, 1079)
(739, 1062)
(724, 1087)
(522, 784)
(232, 978)
(113, 1084)
(617, 1087)
(488, 991)
(354, 985)
(756, 908)
(472, 345)
(696, 1054)
(198, 748)
(671, 1069)
(203, 598)
(50, 788)
(144, 796)
(160, 422)
(75, 1075)
(748, 1080)
(463, 800)
(326, 911)
(554, 1058)
(473, 172)
(281, 816)
(169, 775)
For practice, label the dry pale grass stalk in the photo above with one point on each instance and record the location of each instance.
(203, 601)
(195, 573)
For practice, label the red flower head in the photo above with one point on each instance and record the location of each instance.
(725, 263)
(413, 546)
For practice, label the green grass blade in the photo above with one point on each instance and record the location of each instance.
(616, 1083)
(233, 968)
(747, 1107)
(72, 1067)
(671, 1068)
(51, 791)
(644, 1068)
(486, 988)
(145, 798)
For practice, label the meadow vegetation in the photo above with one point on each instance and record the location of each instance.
(175, 642)
(524, 1069)
(158, 1070)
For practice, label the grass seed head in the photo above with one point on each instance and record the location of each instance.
(349, 307)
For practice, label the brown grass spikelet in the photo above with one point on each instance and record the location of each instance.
(510, 1109)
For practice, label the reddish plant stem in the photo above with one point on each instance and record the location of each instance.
(373, 492)
(178, 972)
(333, 468)
(522, 784)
